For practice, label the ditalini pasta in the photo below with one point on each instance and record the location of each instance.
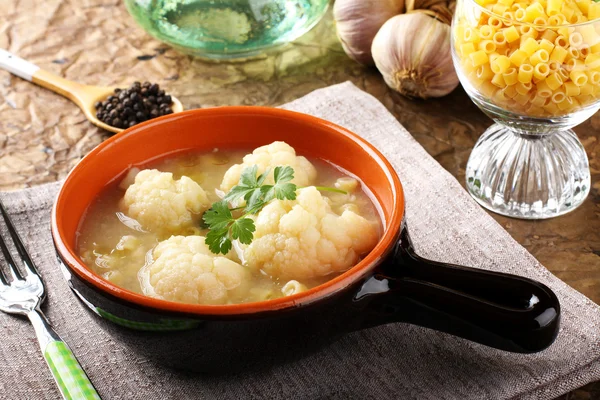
(527, 57)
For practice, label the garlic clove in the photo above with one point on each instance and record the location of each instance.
(358, 21)
(412, 52)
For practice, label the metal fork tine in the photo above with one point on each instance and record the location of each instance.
(10, 261)
(3, 278)
(29, 265)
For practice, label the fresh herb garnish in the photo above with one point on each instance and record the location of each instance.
(249, 183)
(224, 228)
(252, 189)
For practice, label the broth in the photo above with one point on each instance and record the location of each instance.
(116, 247)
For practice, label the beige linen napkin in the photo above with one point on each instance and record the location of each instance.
(396, 361)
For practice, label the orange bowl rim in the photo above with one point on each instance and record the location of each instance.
(380, 252)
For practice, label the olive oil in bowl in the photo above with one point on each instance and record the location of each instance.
(226, 29)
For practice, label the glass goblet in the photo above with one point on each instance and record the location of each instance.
(536, 76)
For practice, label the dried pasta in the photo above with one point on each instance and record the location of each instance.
(525, 57)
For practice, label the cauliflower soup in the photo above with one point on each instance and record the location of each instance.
(170, 230)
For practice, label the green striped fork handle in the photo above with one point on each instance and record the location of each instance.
(71, 379)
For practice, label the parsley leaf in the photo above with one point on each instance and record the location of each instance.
(218, 219)
(218, 216)
(243, 230)
(261, 178)
(283, 189)
(224, 228)
(247, 185)
(257, 200)
(283, 174)
(218, 242)
(248, 177)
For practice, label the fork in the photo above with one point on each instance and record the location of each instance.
(22, 292)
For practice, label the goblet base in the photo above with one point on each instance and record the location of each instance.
(528, 176)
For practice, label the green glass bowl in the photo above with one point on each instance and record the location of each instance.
(226, 29)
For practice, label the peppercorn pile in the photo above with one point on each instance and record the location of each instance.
(133, 105)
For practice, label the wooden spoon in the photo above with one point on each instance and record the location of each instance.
(84, 96)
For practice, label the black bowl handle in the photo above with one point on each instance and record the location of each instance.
(504, 311)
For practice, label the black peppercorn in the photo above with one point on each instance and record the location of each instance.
(128, 107)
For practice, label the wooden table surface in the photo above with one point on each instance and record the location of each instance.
(42, 135)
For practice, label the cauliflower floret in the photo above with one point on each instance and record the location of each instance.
(184, 270)
(303, 238)
(161, 204)
(271, 156)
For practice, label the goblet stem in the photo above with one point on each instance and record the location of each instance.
(528, 176)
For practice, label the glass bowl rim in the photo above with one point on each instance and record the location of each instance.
(515, 22)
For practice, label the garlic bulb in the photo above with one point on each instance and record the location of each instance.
(412, 52)
(358, 21)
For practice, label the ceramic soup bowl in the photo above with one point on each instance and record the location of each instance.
(391, 284)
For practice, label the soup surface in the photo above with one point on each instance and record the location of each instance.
(146, 233)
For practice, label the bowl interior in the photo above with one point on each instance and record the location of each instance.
(225, 127)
